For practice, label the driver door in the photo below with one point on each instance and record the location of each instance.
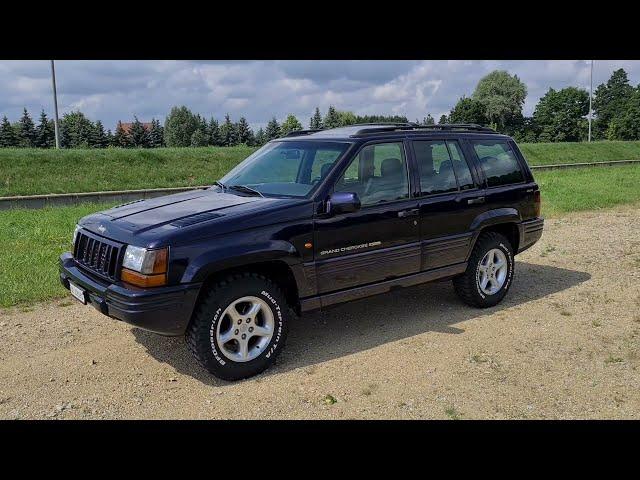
(381, 240)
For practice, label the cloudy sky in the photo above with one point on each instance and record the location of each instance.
(118, 90)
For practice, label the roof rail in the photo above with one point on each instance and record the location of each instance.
(299, 133)
(416, 127)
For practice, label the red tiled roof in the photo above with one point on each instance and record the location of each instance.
(126, 126)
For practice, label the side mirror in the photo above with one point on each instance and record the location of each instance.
(343, 202)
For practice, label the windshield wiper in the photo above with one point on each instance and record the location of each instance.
(245, 189)
(221, 185)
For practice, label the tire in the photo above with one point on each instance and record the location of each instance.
(230, 302)
(469, 287)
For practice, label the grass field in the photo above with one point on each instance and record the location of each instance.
(34, 171)
(32, 240)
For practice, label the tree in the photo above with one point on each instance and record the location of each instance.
(610, 100)
(428, 120)
(626, 125)
(45, 132)
(443, 120)
(468, 110)
(316, 120)
(99, 138)
(26, 131)
(155, 136)
(8, 137)
(381, 119)
(179, 127)
(110, 139)
(291, 124)
(260, 137)
(75, 130)
(503, 98)
(346, 118)
(331, 119)
(244, 133)
(138, 134)
(559, 115)
(214, 133)
(121, 137)
(199, 138)
(273, 130)
(228, 132)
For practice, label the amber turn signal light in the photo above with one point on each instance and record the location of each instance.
(142, 280)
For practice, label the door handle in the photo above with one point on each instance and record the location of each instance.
(474, 201)
(412, 212)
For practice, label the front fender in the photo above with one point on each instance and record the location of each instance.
(233, 256)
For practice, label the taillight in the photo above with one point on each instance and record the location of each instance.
(538, 202)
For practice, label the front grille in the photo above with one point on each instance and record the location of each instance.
(97, 254)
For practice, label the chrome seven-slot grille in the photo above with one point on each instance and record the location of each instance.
(97, 254)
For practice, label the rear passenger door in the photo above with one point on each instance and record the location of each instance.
(450, 198)
(505, 178)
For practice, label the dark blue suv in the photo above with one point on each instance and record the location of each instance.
(308, 221)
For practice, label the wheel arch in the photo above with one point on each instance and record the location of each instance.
(505, 221)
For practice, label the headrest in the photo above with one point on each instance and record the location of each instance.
(324, 170)
(391, 166)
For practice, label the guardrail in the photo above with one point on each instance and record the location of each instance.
(123, 196)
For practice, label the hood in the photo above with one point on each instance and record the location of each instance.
(176, 212)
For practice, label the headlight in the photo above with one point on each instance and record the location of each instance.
(144, 267)
(75, 234)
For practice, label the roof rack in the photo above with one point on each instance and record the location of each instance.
(299, 133)
(416, 127)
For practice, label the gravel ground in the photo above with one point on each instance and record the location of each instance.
(565, 343)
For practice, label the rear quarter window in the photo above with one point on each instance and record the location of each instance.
(498, 162)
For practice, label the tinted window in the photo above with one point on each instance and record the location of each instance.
(498, 162)
(435, 167)
(460, 166)
(377, 174)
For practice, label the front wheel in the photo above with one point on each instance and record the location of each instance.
(489, 272)
(239, 327)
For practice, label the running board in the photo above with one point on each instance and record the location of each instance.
(321, 301)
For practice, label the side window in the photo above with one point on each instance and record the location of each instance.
(377, 174)
(435, 167)
(322, 163)
(460, 166)
(498, 162)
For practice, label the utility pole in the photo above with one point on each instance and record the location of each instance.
(590, 99)
(55, 104)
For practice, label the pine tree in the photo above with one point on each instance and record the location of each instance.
(443, 120)
(228, 133)
(45, 132)
(121, 138)
(99, 137)
(214, 133)
(26, 131)
(260, 138)
(332, 118)
(155, 134)
(199, 138)
(109, 139)
(8, 137)
(273, 130)
(428, 120)
(291, 124)
(138, 134)
(244, 132)
(316, 120)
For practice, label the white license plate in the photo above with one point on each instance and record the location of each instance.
(77, 292)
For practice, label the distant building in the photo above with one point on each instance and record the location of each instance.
(127, 126)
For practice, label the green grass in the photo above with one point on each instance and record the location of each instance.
(549, 153)
(30, 243)
(32, 240)
(40, 171)
(36, 171)
(588, 188)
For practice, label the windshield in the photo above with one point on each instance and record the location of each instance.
(285, 168)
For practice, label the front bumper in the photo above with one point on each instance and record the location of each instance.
(163, 310)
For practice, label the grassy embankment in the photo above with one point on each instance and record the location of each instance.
(33, 171)
(32, 240)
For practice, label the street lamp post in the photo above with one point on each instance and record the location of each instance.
(55, 104)
(590, 97)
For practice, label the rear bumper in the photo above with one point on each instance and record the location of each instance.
(163, 310)
(530, 233)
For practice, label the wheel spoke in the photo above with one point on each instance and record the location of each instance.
(254, 309)
(243, 351)
(233, 313)
(261, 331)
(227, 336)
(500, 264)
(483, 281)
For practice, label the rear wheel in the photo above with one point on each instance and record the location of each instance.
(489, 272)
(239, 327)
